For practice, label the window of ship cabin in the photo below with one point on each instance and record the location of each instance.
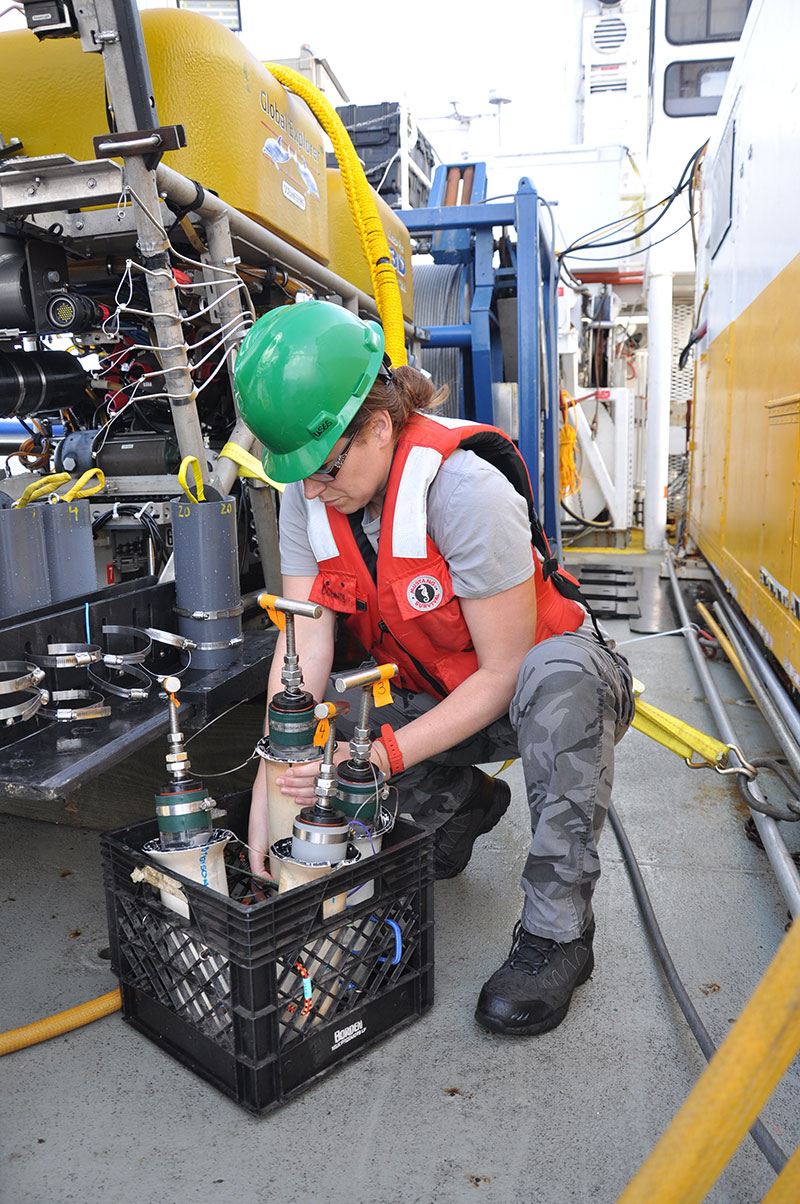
(695, 89)
(225, 11)
(705, 21)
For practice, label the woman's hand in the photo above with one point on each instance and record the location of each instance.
(297, 781)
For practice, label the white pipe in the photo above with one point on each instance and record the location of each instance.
(659, 313)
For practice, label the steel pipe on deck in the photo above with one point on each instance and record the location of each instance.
(779, 858)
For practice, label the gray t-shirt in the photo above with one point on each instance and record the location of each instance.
(475, 518)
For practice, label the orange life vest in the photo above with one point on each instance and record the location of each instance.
(408, 613)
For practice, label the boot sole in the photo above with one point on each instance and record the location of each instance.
(495, 1025)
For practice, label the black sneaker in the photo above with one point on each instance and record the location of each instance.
(477, 815)
(531, 991)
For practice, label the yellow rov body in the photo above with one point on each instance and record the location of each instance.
(745, 468)
(249, 139)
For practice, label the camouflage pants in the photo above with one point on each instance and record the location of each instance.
(572, 704)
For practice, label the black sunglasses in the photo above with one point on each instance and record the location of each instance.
(332, 471)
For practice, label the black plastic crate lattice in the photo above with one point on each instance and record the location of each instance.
(262, 995)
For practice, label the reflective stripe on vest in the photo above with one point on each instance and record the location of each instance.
(412, 616)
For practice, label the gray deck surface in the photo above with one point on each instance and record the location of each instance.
(442, 1111)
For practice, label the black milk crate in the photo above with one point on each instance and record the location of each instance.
(263, 995)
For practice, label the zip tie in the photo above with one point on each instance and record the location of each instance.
(115, 510)
(86, 619)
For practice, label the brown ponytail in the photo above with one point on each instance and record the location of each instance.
(401, 395)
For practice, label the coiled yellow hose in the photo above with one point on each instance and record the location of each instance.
(362, 207)
(569, 480)
(708, 1128)
(63, 1022)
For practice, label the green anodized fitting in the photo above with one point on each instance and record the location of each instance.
(359, 800)
(181, 812)
(291, 728)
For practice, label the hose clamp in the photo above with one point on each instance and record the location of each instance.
(202, 804)
(169, 637)
(67, 656)
(127, 658)
(138, 692)
(230, 613)
(215, 645)
(26, 676)
(20, 711)
(94, 706)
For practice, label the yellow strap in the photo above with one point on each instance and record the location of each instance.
(82, 488)
(39, 489)
(249, 466)
(676, 735)
(183, 472)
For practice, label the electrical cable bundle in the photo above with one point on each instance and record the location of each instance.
(148, 522)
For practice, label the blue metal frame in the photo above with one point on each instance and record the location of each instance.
(466, 233)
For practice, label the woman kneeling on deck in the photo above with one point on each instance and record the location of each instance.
(419, 534)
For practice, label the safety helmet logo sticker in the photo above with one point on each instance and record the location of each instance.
(424, 593)
(321, 424)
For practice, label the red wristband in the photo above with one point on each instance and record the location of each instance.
(392, 751)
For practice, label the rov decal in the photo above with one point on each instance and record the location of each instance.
(293, 194)
(424, 593)
(343, 1035)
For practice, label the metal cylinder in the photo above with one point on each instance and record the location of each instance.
(32, 381)
(207, 586)
(292, 723)
(24, 580)
(358, 791)
(184, 817)
(69, 547)
(141, 453)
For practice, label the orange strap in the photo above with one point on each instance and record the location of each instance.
(392, 750)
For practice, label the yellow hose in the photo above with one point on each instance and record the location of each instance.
(63, 1022)
(786, 1188)
(363, 208)
(728, 1096)
(723, 642)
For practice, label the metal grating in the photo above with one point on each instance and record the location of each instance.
(607, 77)
(681, 381)
(608, 34)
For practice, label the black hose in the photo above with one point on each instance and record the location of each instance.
(765, 1142)
(587, 522)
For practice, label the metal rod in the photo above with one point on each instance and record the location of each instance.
(765, 703)
(147, 142)
(184, 192)
(128, 91)
(778, 854)
(762, 666)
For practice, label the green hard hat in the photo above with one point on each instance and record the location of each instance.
(301, 373)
